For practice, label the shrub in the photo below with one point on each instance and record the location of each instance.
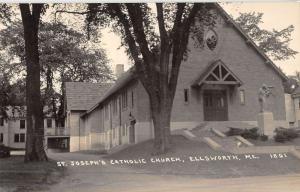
(246, 133)
(234, 131)
(283, 134)
(250, 133)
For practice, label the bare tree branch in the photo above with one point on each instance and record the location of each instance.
(135, 14)
(180, 48)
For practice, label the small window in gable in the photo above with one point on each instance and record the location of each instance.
(211, 39)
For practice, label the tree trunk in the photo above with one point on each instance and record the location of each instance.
(161, 116)
(161, 108)
(34, 116)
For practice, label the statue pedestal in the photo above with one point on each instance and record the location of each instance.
(266, 123)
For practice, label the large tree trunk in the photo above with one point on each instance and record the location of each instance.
(35, 130)
(161, 122)
(161, 102)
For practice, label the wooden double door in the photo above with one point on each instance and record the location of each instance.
(215, 105)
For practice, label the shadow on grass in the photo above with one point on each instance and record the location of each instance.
(187, 150)
(17, 176)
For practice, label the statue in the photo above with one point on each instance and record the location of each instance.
(264, 92)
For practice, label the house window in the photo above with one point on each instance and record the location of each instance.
(242, 97)
(19, 137)
(1, 137)
(186, 95)
(49, 123)
(22, 137)
(22, 124)
(1, 121)
(124, 99)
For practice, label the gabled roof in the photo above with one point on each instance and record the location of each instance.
(217, 73)
(83, 95)
(125, 78)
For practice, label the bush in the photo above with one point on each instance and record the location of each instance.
(283, 135)
(250, 133)
(234, 131)
(246, 133)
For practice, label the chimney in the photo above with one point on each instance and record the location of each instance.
(119, 70)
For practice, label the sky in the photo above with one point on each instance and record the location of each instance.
(277, 15)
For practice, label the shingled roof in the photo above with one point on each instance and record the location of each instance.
(83, 95)
(125, 78)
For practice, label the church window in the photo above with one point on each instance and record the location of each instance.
(211, 39)
(124, 99)
(242, 97)
(186, 95)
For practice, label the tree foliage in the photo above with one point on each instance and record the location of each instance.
(62, 50)
(65, 55)
(5, 13)
(275, 43)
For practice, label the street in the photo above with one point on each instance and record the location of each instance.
(112, 178)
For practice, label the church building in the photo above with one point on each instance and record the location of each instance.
(218, 83)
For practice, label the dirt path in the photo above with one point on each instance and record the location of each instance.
(111, 178)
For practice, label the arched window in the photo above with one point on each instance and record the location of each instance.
(211, 39)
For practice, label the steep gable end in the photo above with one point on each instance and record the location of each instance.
(82, 95)
(249, 41)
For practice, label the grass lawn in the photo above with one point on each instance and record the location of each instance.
(184, 149)
(271, 142)
(15, 175)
